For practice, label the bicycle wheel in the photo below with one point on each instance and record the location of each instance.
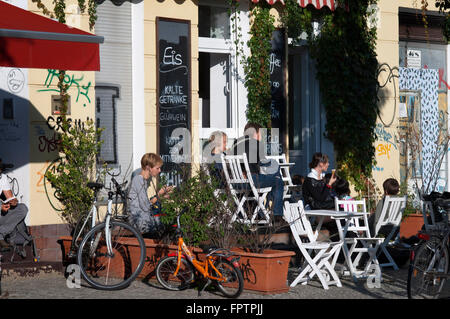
(423, 280)
(166, 268)
(82, 227)
(234, 284)
(111, 271)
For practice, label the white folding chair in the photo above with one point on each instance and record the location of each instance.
(391, 214)
(244, 190)
(317, 254)
(360, 227)
(285, 174)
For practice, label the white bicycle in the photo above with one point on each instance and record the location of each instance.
(112, 254)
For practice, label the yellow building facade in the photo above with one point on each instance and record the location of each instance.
(136, 52)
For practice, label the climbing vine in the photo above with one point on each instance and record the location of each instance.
(60, 14)
(346, 65)
(60, 6)
(256, 65)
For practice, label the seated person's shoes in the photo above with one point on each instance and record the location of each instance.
(4, 246)
(279, 221)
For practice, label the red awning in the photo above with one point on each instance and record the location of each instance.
(28, 40)
(303, 3)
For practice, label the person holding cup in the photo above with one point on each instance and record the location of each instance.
(144, 211)
(316, 191)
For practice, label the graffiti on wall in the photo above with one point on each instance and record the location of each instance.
(426, 81)
(82, 87)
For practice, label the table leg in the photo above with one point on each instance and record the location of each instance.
(342, 234)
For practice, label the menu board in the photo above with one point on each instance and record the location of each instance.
(173, 90)
(278, 89)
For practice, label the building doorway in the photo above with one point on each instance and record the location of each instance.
(307, 114)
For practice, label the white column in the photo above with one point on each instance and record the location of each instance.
(137, 32)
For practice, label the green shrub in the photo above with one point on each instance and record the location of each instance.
(79, 147)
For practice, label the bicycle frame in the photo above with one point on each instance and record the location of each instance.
(202, 266)
(93, 213)
(107, 220)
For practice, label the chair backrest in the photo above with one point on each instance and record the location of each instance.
(234, 174)
(357, 224)
(392, 212)
(284, 170)
(297, 220)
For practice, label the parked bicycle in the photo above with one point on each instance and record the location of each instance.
(429, 259)
(107, 253)
(88, 221)
(177, 271)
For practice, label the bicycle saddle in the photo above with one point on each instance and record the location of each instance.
(95, 186)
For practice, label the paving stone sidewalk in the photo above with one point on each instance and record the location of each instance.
(53, 285)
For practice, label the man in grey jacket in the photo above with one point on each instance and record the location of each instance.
(12, 213)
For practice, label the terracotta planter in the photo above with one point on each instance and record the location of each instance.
(411, 225)
(154, 252)
(265, 273)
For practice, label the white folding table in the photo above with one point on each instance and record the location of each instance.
(342, 230)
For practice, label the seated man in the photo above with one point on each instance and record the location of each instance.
(255, 150)
(391, 187)
(12, 213)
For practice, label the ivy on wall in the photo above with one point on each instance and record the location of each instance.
(256, 65)
(60, 6)
(346, 65)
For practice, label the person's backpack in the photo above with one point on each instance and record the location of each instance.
(19, 239)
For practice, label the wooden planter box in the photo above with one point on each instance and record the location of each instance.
(265, 273)
(411, 225)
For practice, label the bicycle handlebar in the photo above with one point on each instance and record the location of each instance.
(118, 187)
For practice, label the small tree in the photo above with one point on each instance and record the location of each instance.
(413, 138)
(78, 150)
(205, 212)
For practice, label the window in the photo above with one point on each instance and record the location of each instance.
(213, 22)
(220, 105)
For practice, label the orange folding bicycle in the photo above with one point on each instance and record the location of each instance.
(178, 270)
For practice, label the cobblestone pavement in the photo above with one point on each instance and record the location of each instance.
(53, 285)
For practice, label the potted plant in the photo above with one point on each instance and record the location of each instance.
(209, 221)
(69, 175)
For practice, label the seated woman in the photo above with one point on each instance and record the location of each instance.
(316, 192)
(143, 212)
(217, 145)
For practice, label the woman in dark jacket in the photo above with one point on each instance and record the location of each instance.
(317, 193)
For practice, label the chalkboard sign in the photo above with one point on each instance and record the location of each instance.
(278, 90)
(173, 90)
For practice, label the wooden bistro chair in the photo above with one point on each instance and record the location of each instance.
(317, 254)
(244, 191)
(360, 244)
(391, 214)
